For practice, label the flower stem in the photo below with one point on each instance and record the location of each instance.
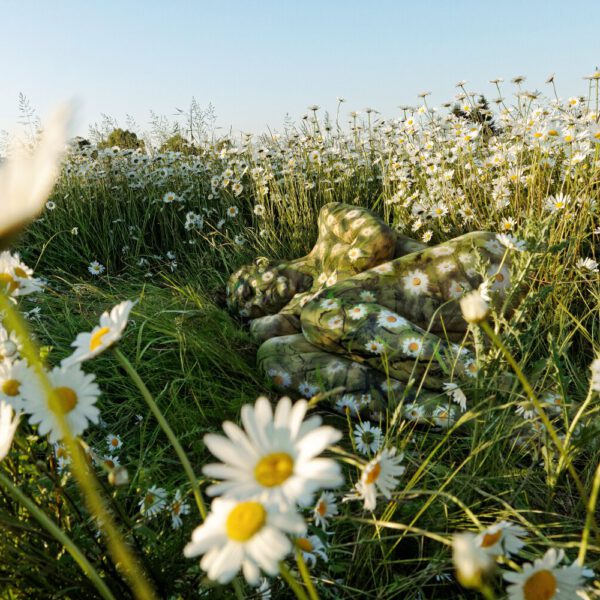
(137, 380)
(59, 535)
(542, 414)
(312, 592)
(80, 468)
(287, 576)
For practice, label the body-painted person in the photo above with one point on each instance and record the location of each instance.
(371, 314)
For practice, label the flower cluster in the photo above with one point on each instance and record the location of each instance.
(268, 469)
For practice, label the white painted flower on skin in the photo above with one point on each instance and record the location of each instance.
(247, 535)
(104, 335)
(357, 312)
(274, 459)
(374, 347)
(390, 319)
(416, 282)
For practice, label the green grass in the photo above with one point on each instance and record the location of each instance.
(199, 363)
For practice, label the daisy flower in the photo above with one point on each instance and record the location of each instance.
(374, 346)
(274, 459)
(63, 460)
(12, 377)
(390, 319)
(414, 411)
(511, 242)
(501, 538)
(178, 507)
(587, 264)
(232, 212)
(416, 282)
(311, 547)
(170, 197)
(444, 416)
(544, 580)
(456, 395)
(9, 344)
(16, 277)
(384, 268)
(113, 442)
(381, 475)
(95, 268)
(154, 500)
(247, 535)
(357, 312)
(595, 378)
(307, 390)
(8, 425)
(348, 401)
(325, 507)
(368, 437)
(111, 327)
(75, 394)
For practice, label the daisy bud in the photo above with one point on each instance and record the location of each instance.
(474, 308)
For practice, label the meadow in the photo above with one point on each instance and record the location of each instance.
(167, 228)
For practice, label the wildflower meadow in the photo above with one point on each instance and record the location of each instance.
(143, 455)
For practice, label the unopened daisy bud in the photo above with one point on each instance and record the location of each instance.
(474, 308)
(472, 563)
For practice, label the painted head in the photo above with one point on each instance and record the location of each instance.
(264, 288)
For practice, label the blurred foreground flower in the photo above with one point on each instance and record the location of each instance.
(472, 562)
(26, 179)
(8, 426)
(274, 459)
(247, 535)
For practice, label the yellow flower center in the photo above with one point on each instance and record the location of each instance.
(67, 398)
(176, 508)
(489, 539)
(11, 387)
(416, 281)
(114, 442)
(321, 507)
(273, 469)
(391, 319)
(245, 521)
(499, 277)
(413, 346)
(373, 474)
(96, 339)
(540, 586)
(7, 280)
(304, 545)
(553, 132)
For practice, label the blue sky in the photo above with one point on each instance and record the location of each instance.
(256, 61)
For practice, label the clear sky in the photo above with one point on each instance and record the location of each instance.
(258, 60)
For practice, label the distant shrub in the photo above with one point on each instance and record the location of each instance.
(177, 143)
(122, 138)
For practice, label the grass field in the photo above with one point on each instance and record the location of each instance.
(167, 229)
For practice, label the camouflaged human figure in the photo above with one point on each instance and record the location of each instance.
(370, 314)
